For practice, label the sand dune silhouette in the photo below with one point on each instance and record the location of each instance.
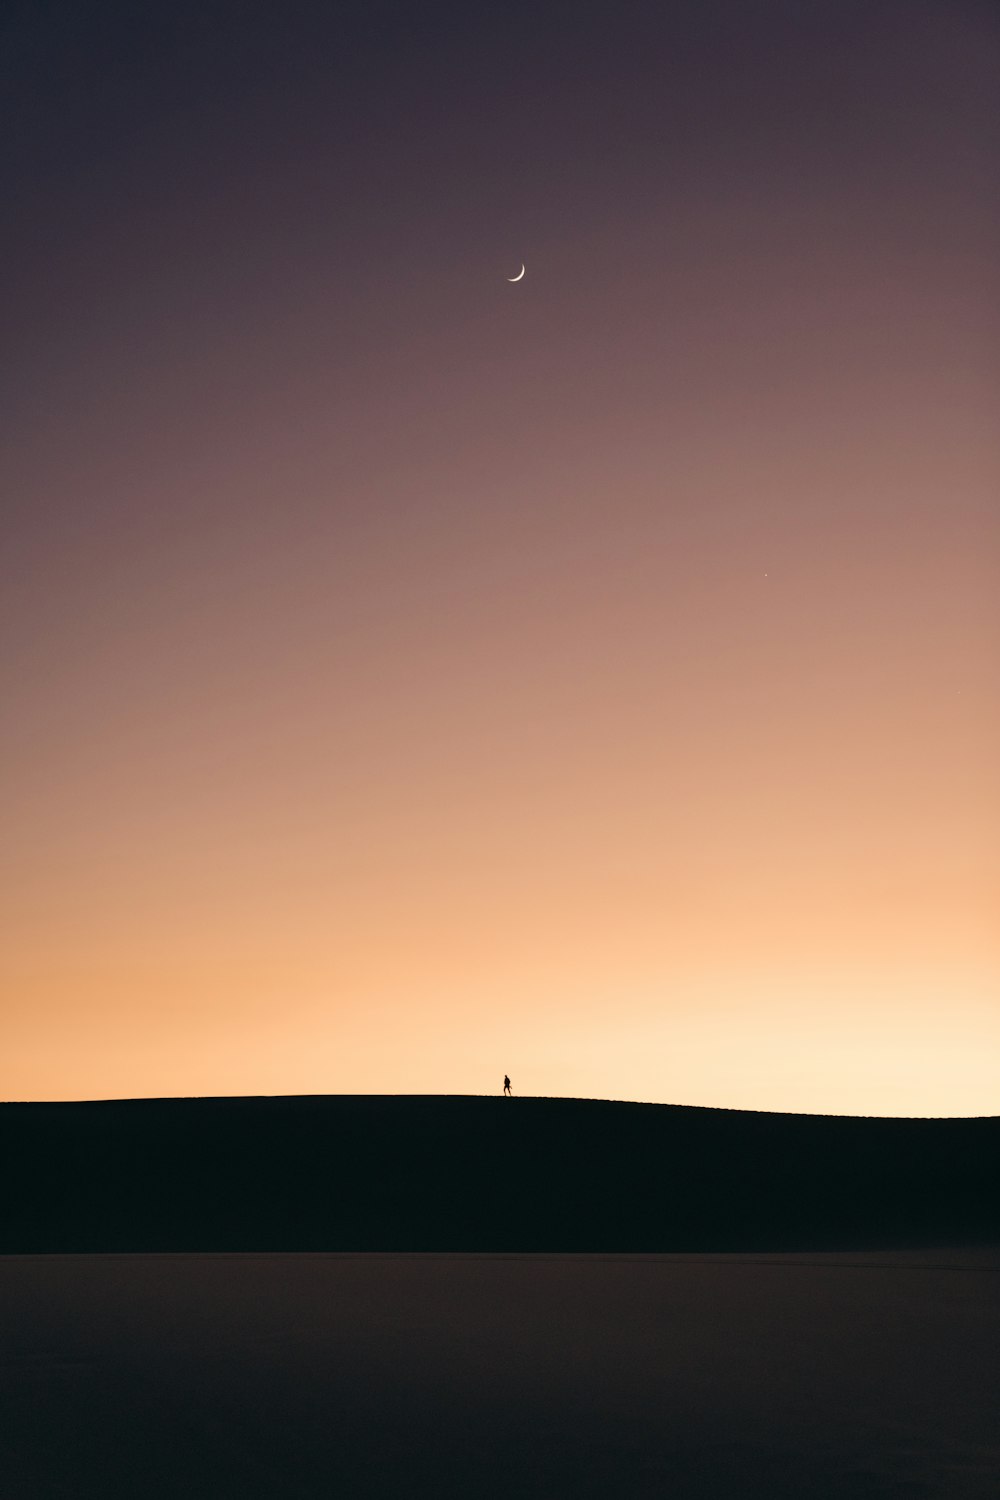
(411, 1173)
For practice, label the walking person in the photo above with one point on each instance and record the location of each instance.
(506, 1084)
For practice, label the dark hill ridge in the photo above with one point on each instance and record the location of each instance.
(466, 1173)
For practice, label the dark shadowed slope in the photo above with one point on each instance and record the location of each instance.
(468, 1173)
(860, 1376)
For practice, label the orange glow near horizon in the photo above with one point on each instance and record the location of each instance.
(593, 680)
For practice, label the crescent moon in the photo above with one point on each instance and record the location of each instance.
(519, 274)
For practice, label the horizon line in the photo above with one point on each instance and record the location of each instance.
(546, 1098)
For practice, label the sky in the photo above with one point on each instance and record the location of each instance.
(411, 676)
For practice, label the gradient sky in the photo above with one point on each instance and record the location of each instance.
(409, 677)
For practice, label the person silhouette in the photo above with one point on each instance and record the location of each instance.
(506, 1084)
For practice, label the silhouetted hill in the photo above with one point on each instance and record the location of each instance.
(469, 1173)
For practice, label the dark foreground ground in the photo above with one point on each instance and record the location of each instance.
(231, 1377)
(419, 1173)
